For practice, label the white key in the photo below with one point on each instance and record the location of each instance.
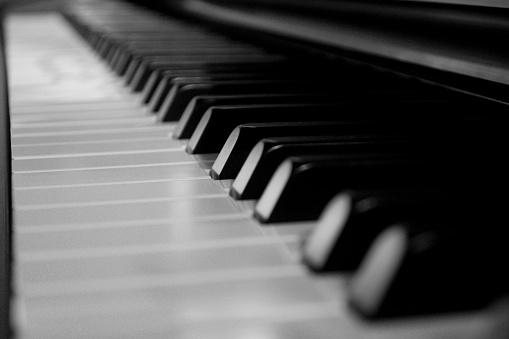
(107, 176)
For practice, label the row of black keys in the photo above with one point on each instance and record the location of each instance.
(404, 176)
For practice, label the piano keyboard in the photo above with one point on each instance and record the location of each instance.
(119, 232)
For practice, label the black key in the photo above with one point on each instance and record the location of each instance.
(426, 269)
(131, 63)
(156, 72)
(121, 57)
(301, 186)
(200, 104)
(169, 70)
(112, 49)
(180, 96)
(268, 154)
(244, 137)
(304, 66)
(109, 42)
(136, 68)
(178, 34)
(176, 48)
(353, 219)
(239, 73)
(146, 64)
(218, 122)
(148, 81)
(122, 65)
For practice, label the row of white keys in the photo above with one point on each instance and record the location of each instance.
(119, 232)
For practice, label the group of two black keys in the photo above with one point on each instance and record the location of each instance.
(384, 162)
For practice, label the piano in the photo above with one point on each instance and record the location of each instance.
(254, 169)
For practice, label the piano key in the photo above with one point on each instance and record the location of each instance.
(353, 219)
(108, 160)
(199, 104)
(113, 45)
(188, 294)
(138, 76)
(157, 259)
(166, 71)
(302, 185)
(408, 271)
(125, 192)
(71, 123)
(184, 45)
(218, 122)
(130, 70)
(71, 108)
(146, 81)
(180, 34)
(225, 313)
(286, 322)
(128, 234)
(102, 176)
(290, 65)
(180, 41)
(250, 76)
(244, 137)
(76, 116)
(169, 71)
(75, 126)
(94, 136)
(203, 47)
(150, 62)
(43, 151)
(269, 153)
(180, 31)
(188, 208)
(110, 131)
(264, 71)
(180, 95)
(168, 83)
